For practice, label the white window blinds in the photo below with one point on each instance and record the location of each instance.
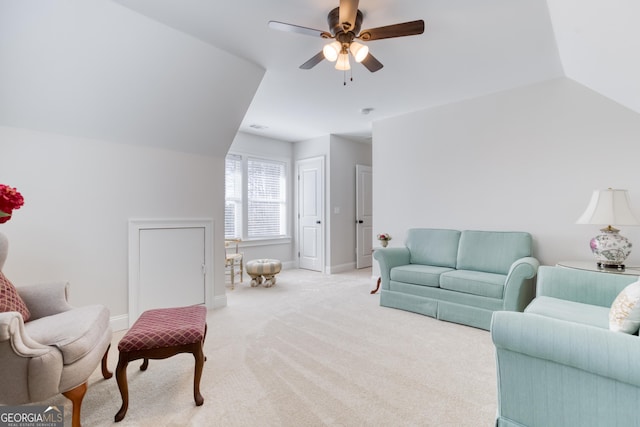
(266, 198)
(255, 197)
(233, 196)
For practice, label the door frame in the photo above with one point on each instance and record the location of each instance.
(137, 225)
(323, 233)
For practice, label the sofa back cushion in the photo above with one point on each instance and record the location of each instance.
(492, 251)
(437, 247)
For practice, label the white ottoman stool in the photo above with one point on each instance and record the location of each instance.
(266, 269)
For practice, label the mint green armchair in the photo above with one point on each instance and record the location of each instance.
(558, 364)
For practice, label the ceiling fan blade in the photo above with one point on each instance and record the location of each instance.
(313, 61)
(348, 14)
(397, 30)
(372, 63)
(290, 28)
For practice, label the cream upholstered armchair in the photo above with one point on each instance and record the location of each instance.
(47, 346)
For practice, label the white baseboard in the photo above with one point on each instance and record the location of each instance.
(119, 323)
(219, 301)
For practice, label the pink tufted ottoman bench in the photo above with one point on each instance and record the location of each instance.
(159, 334)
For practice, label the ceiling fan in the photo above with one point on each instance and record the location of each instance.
(345, 23)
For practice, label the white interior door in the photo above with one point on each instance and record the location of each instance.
(310, 214)
(172, 268)
(364, 216)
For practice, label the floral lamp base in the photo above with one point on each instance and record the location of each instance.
(610, 248)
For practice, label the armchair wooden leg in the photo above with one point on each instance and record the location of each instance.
(75, 396)
(105, 370)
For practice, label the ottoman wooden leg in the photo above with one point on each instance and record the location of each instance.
(199, 356)
(121, 378)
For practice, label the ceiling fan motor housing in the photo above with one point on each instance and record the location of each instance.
(336, 27)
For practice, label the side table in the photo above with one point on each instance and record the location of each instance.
(593, 266)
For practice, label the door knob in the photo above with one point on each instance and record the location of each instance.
(317, 222)
(360, 221)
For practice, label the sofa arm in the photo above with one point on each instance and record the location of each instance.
(599, 351)
(519, 288)
(45, 299)
(387, 259)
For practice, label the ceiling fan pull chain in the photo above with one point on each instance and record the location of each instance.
(344, 78)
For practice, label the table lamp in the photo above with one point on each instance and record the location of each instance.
(609, 207)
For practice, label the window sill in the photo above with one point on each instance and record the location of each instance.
(265, 242)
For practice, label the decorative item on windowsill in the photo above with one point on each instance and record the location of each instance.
(10, 199)
(609, 207)
(384, 239)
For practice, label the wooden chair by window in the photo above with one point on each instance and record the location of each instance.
(233, 260)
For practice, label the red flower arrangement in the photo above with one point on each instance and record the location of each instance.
(10, 199)
(384, 236)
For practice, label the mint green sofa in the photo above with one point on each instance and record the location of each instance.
(458, 276)
(558, 364)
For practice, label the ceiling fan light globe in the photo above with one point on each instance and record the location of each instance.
(343, 62)
(359, 51)
(331, 51)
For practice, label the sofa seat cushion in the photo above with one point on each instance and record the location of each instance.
(418, 274)
(75, 332)
(571, 311)
(474, 282)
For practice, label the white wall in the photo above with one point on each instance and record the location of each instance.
(526, 159)
(79, 195)
(245, 143)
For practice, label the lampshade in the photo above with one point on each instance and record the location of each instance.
(331, 51)
(609, 207)
(343, 62)
(359, 51)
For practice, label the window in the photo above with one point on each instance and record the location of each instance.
(255, 189)
(233, 196)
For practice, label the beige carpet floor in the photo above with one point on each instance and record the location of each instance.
(314, 350)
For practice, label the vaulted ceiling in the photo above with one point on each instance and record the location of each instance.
(469, 48)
